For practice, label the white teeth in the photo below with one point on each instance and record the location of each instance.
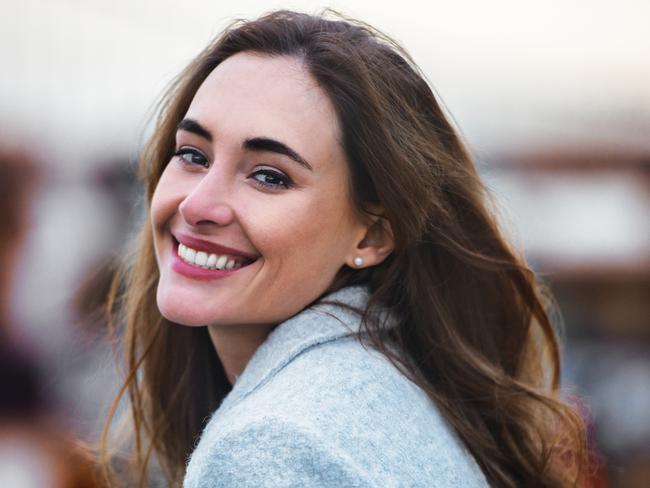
(221, 262)
(208, 261)
(190, 254)
(201, 258)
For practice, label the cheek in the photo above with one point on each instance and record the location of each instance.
(165, 200)
(306, 234)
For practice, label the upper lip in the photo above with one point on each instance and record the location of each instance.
(211, 247)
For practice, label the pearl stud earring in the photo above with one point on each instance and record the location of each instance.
(358, 261)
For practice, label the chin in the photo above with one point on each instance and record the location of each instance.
(180, 317)
(177, 311)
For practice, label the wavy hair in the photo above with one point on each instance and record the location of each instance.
(472, 323)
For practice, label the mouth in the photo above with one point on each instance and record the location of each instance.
(208, 256)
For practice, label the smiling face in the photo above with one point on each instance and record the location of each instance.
(258, 187)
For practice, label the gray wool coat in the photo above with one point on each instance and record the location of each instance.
(315, 408)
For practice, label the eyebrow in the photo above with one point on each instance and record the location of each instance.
(254, 144)
(191, 125)
(271, 145)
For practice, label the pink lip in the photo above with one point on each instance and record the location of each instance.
(195, 272)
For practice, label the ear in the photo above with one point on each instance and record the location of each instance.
(375, 242)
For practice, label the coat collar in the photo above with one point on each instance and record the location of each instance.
(315, 325)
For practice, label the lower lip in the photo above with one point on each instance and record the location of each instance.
(185, 269)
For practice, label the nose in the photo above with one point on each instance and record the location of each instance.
(207, 204)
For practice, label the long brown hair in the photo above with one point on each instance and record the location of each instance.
(473, 330)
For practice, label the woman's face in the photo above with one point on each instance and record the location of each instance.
(256, 195)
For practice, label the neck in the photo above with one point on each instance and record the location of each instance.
(236, 344)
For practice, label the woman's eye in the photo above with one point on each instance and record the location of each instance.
(271, 179)
(192, 156)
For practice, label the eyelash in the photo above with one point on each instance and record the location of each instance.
(187, 151)
(284, 180)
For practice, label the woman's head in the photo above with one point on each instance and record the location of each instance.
(291, 146)
(338, 92)
(256, 198)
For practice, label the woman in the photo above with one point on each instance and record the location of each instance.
(367, 323)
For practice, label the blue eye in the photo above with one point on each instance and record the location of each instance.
(192, 156)
(271, 179)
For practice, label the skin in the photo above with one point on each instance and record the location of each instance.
(298, 223)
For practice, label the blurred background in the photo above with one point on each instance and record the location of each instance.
(552, 97)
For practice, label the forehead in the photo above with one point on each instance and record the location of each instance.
(250, 95)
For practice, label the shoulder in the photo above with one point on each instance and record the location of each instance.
(340, 411)
(272, 452)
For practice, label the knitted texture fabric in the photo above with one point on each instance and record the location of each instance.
(315, 407)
